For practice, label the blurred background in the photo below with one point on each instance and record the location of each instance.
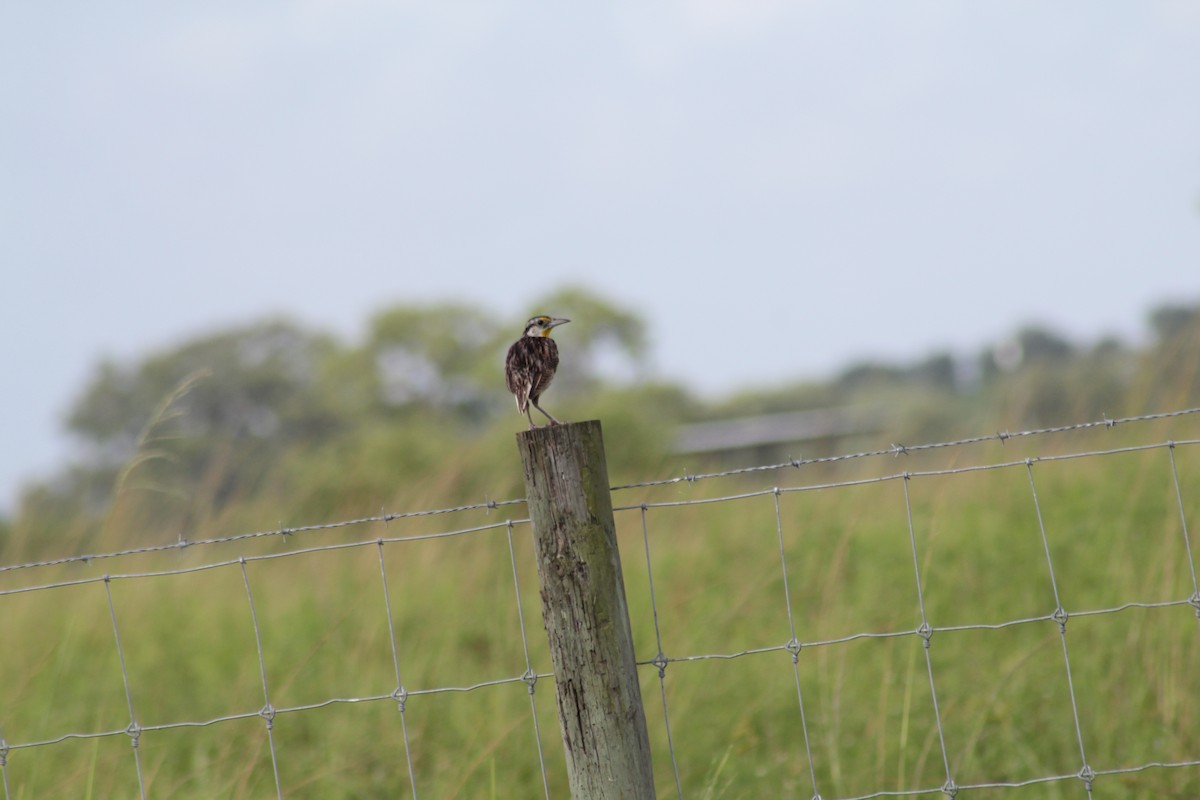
(320, 223)
(261, 265)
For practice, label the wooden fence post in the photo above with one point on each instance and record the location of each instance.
(583, 605)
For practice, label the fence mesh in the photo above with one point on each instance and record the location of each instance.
(993, 622)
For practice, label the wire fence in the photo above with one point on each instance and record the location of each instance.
(674, 616)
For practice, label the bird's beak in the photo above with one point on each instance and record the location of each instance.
(556, 321)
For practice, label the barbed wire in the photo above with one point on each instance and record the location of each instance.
(906, 475)
(490, 505)
(900, 449)
(184, 544)
(662, 662)
(926, 631)
(268, 713)
(257, 557)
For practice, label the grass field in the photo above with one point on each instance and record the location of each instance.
(191, 649)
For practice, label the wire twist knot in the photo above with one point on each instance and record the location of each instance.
(1087, 775)
(401, 697)
(661, 662)
(1061, 616)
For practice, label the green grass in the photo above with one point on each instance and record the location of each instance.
(190, 649)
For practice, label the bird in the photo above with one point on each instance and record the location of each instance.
(530, 364)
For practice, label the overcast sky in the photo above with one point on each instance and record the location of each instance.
(779, 187)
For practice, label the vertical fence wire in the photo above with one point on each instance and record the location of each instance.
(268, 711)
(1194, 600)
(4, 765)
(134, 730)
(530, 676)
(400, 693)
(660, 658)
(1086, 774)
(926, 634)
(793, 645)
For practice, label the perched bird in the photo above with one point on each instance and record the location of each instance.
(530, 364)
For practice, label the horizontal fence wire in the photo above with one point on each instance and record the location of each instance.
(925, 632)
(488, 505)
(281, 532)
(900, 449)
(661, 662)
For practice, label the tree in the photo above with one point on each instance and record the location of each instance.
(1172, 321)
(261, 382)
(199, 423)
(1171, 372)
(436, 357)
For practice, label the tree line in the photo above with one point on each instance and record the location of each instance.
(279, 413)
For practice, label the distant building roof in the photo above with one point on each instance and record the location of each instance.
(773, 429)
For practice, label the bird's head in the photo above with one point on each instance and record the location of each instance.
(542, 325)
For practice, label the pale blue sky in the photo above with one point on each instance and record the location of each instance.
(836, 180)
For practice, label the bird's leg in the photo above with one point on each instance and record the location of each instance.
(553, 421)
(529, 413)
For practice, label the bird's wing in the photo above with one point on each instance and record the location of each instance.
(517, 375)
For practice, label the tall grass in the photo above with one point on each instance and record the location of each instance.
(1115, 537)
